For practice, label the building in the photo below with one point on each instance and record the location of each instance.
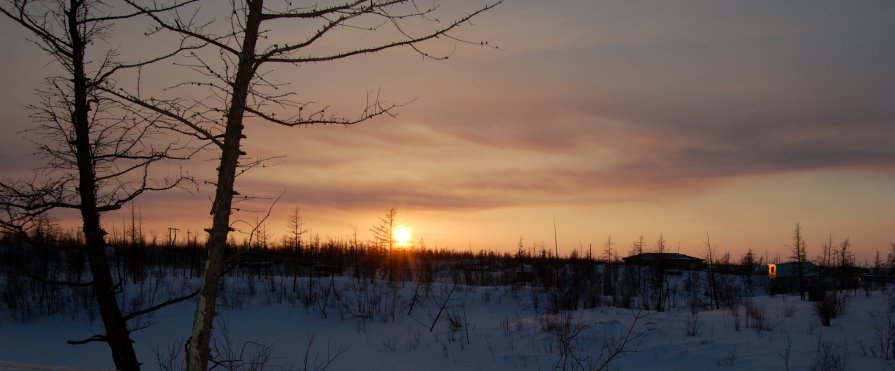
(785, 277)
(791, 269)
(666, 261)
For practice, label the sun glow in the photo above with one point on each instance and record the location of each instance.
(402, 236)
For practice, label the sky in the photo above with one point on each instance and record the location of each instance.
(728, 121)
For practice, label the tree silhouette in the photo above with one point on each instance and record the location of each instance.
(384, 238)
(384, 232)
(799, 256)
(296, 229)
(99, 153)
(242, 44)
(711, 260)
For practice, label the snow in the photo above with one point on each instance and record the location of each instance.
(494, 328)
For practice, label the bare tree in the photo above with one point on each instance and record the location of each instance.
(747, 266)
(845, 265)
(890, 262)
(637, 246)
(296, 228)
(245, 43)
(660, 245)
(609, 281)
(711, 260)
(100, 153)
(799, 256)
(384, 237)
(825, 262)
(384, 232)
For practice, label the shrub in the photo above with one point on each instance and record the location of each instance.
(830, 357)
(692, 328)
(832, 305)
(885, 338)
(757, 318)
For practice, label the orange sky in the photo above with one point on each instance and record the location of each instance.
(609, 118)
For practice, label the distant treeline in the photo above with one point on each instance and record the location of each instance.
(46, 273)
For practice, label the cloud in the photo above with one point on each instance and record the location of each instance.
(589, 104)
(694, 96)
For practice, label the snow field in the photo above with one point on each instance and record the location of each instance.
(369, 325)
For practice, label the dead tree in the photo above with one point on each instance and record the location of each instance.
(232, 71)
(747, 266)
(845, 265)
(384, 238)
(799, 256)
(384, 232)
(637, 246)
(711, 261)
(609, 279)
(296, 229)
(825, 263)
(99, 154)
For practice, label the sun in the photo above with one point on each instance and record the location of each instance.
(402, 236)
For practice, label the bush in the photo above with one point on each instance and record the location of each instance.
(884, 332)
(830, 357)
(832, 305)
(757, 318)
(692, 325)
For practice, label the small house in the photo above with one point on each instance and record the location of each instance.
(785, 277)
(666, 261)
(791, 269)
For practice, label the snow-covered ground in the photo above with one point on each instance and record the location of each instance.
(480, 328)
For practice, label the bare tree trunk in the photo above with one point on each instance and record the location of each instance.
(117, 334)
(710, 260)
(799, 255)
(198, 352)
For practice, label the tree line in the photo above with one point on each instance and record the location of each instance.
(41, 273)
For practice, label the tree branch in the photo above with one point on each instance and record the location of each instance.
(94, 338)
(408, 42)
(205, 134)
(184, 29)
(161, 305)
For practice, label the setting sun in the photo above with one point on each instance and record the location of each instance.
(402, 236)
